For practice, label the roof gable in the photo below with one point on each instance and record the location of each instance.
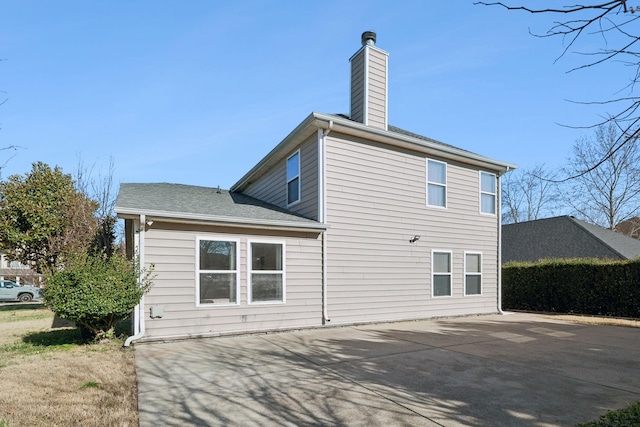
(392, 137)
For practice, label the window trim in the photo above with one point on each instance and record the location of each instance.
(434, 273)
(427, 160)
(466, 273)
(298, 177)
(494, 194)
(250, 271)
(198, 271)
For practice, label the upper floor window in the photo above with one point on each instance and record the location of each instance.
(266, 272)
(293, 178)
(436, 183)
(217, 278)
(487, 193)
(472, 273)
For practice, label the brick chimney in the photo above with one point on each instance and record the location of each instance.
(369, 70)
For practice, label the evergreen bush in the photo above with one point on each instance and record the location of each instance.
(96, 291)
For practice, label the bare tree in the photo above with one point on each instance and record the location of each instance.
(99, 187)
(610, 193)
(529, 194)
(612, 25)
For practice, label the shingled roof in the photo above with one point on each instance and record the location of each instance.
(190, 202)
(564, 237)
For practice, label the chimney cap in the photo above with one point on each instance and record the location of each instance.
(368, 38)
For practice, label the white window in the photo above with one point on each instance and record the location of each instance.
(293, 178)
(217, 272)
(487, 193)
(472, 273)
(266, 272)
(441, 273)
(436, 183)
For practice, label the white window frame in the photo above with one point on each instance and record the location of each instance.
(473, 273)
(198, 271)
(250, 271)
(482, 192)
(434, 273)
(289, 179)
(439, 184)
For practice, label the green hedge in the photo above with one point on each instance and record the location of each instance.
(584, 286)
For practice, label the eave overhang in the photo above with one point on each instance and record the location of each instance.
(316, 121)
(219, 220)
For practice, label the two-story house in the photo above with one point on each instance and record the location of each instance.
(347, 220)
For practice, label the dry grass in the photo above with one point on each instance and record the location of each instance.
(48, 379)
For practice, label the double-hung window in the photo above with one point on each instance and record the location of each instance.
(441, 273)
(472, 273)
(436, 183)
(293, 178)
(218, 274)
(266, 272)
(487, 193)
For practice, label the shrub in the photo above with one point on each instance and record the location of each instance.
(629, 416)
(96, 291)
(585, 286)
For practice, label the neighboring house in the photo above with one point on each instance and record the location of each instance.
(20, 273)
(564, 237)
(347, 220)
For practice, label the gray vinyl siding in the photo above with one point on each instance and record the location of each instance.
(377, 99)
(271, 187)
(376, 202)
(172, 249)
(357, 87)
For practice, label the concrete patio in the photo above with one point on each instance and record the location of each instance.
(507, 370)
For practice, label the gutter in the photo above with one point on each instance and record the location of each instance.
(138, 311)
(191, 218)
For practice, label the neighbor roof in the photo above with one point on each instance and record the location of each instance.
(195, 203)
(564, 237)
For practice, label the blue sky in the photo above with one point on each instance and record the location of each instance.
(197, 92)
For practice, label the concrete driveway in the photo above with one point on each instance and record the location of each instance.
(511, 370)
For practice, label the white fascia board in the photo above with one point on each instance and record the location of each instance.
(323, 121)
(185, 217)
(350, 127)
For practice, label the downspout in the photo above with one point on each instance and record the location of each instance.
(499, 207)
(322, 212)
(138, 311)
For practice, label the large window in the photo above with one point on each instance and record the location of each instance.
(293, 178)
(472, 273)
(441, 273)
(487, 193)
(217, 276)
(436, 183)
(266, 272)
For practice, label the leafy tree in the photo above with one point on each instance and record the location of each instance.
(96, 291)
(610, 193)
(43, 217)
